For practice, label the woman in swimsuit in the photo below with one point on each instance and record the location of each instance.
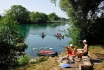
(84, 51)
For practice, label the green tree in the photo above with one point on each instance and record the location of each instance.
(11, 43)
(37, 17)
(86, 17)
(43, 17)
(32, 17)
(52, 17)
(0, 16)
(18, 13)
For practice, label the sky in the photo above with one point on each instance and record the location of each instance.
(44, 6)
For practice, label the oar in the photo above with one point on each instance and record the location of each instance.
(32, 33)
(63, 46)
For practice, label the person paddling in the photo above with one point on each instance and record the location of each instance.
(42, 34)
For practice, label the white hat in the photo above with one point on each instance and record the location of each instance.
(84, 41)
(71, 45)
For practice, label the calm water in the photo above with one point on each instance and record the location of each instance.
(33, 38)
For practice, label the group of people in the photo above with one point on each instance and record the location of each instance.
(58, 34)
(73, 52)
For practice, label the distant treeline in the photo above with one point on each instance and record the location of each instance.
(22, 15)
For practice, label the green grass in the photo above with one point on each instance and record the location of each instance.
(23, 60)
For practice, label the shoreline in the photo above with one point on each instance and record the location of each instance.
(45, 22)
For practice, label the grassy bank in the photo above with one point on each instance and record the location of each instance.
(97, 53)
(51, 63)
(45, 65)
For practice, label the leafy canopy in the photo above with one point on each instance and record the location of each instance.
(86, 17)
(18, 13)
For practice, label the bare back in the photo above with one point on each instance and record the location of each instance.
(85, 48)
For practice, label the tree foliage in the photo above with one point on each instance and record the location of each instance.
(18, 13)
(0, 16)
(53, 16)
(11, 43)
(86, 17)
(22, 15)
(37, 17)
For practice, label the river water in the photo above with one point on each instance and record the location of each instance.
(33, 39)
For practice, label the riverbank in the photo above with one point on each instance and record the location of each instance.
(47, 22)
(96, 54)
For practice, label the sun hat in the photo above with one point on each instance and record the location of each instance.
(84, 41)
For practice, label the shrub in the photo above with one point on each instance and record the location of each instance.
(23, 60)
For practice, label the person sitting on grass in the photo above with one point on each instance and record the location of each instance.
(83, 52)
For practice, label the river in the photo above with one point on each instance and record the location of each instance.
(33, 39)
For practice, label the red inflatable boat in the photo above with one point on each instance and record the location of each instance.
(47, 52)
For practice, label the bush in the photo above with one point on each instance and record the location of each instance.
(23, 60)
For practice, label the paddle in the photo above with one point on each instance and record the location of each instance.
(62, 46)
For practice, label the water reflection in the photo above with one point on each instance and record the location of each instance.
(43, 37)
